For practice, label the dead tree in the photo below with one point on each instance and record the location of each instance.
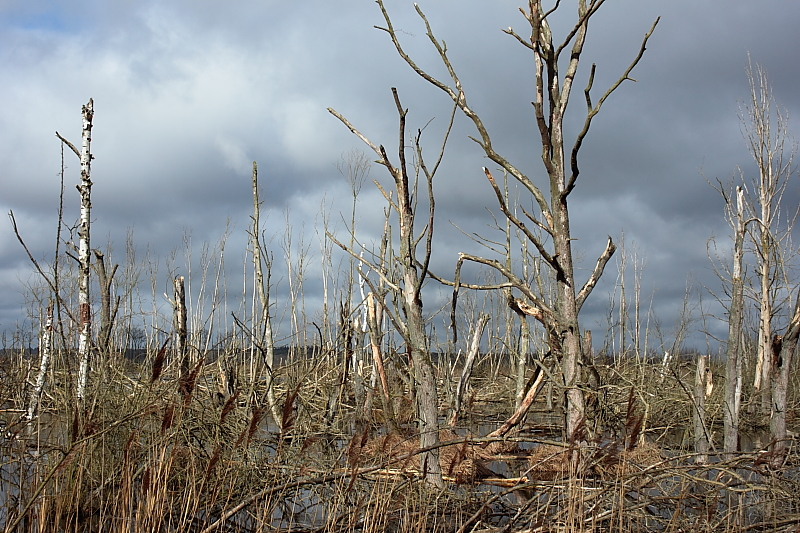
(552, 93)
(755, 216)
(262, 336)
(45, 353)
(766, 134)
(84, 247)
(733, 365)
(409, 319)
(782, 351)
(108, 310)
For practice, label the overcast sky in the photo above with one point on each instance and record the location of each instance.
(188, 93)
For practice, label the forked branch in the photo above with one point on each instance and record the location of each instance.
(459, 98)
(594, 110)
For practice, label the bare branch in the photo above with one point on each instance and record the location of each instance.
(547, 229)
(431, 206)
(385, 194)
(521, 225)
(592, 111)
(358, 134)
(580, 24)
(370, 265)
(515, 281)
(459, 98)
(596, 274)
(71, 146)
(39, 268)
(471, 286)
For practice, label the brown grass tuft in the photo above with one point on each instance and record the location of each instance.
(229, 406)
(158, 362)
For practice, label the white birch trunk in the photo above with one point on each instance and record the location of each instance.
(85, 190)
(45, 350)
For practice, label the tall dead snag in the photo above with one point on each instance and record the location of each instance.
(552, 93)
(84, 247)
(766, 134)
(733, 366)
(262, 336)
(408, 319)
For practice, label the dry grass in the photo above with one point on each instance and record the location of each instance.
(159, 454)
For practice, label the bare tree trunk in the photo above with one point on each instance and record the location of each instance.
(415, 336)
(262, 327)
(45, 352)
(566, 310)
(374, 311)
(733, 377)
(179, 325)
(699, 415)
(782, 350)
(764, 361)
(469, 362)
(108, 312)
(409, 320)
(84, 246)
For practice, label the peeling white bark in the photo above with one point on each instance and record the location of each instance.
(85, 190)
(45, 349)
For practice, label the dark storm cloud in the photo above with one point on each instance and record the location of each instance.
(188, 94)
